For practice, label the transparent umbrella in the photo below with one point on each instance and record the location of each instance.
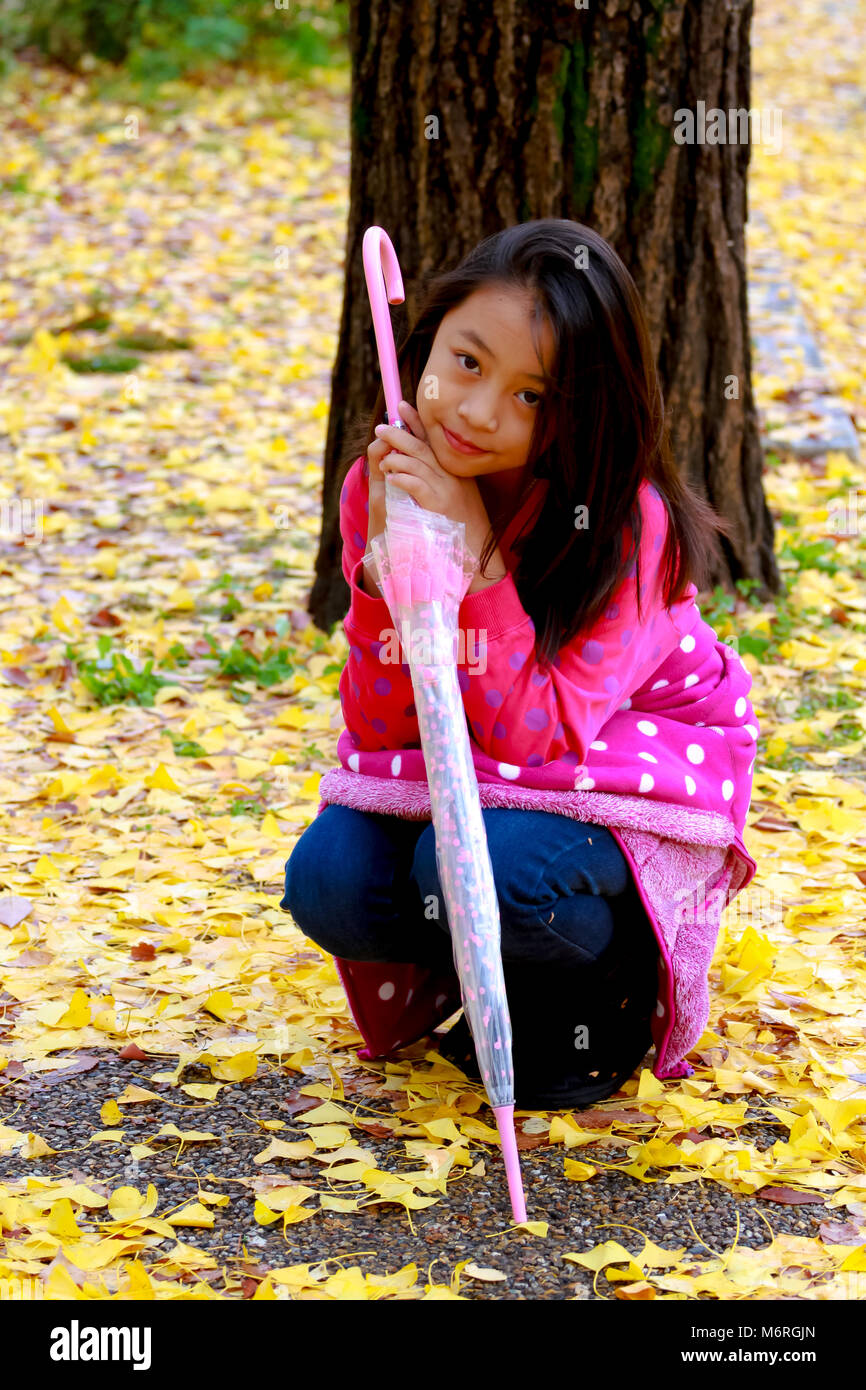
(423, 569)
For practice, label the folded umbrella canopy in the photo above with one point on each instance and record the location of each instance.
(423, 569)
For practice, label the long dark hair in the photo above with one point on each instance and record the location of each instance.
(599, 431)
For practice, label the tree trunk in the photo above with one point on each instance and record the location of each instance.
(468, 118)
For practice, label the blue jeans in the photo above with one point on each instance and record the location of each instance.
(577, 946)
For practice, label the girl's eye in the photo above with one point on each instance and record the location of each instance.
(469, 358)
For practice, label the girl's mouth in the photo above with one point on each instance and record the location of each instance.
(461, 445)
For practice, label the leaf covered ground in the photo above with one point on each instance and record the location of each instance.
(170, 314)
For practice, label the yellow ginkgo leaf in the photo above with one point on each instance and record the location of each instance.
(192, 1215)
(110, 1113)
(239, 1067)
(136, 1095)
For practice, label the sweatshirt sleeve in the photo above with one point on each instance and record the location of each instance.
(527, 717)
(376, 696)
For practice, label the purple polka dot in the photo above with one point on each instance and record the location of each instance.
(611, 685)
(376, 647)
(366, 508)
(404, 667)
(355, 653)
(359, 541)
(612, 611)
(592, 652)
(536, 719)
(410, 711)
(516, 660)
(379, 725)
(625, 636)
(356, 691)
(537, 679)
(499, 730)
(356, 738)
(657, 542)
(462, 680)
(382, 685)
(570, 757)
(558, 731)
(343, 496)
(493, 698)
(534, 760)
(477, 729)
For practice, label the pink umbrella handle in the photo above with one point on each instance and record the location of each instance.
(384, 286)
(505, 1124)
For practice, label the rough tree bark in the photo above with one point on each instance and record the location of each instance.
(467, 118)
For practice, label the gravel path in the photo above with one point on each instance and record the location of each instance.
(468, 1224)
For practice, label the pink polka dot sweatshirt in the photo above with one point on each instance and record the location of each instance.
(643, 724)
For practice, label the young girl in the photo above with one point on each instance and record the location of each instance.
(611, 730)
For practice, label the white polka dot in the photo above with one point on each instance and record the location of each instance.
(660, 1008)
(753, 730)
(409, 996)
(687, 644)
(626, 704)
(699, 724)
(751, 765)
(646, 782)
(695, 753)
(353, 762)
(727, 790)
(508, 770)
(396, 764)
(648, 757)
(586, 784)
(440, 1000)
(691, 786)
(647, 727)
(659, 684)
(716, 730)
(386, 991)
(689, 681)
(740, 707)
(600, 745)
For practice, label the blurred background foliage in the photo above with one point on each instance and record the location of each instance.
(156, 41)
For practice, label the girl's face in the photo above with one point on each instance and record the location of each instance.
(485, 383)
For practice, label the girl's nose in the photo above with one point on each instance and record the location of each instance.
(477, 423)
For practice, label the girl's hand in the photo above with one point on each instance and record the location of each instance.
(413, 466)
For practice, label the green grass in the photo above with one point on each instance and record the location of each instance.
(112, 678)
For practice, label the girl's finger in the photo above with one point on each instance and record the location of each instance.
(398, 438)
(410, 414)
